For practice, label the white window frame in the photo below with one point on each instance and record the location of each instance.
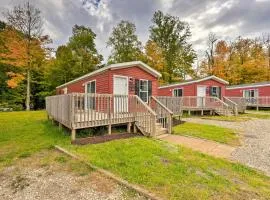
(85, 91)
(89, 82)
(256, 91)
(147, 92)
(178, 89)
(65, 90)
(214, 86)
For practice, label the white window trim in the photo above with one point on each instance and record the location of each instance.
(121, 76)
(65, 90)
(147, 91)
(178, 89)
(85, 91)
(249, 91)
(88, 82)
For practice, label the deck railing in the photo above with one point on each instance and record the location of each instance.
(240, 102)
(203, 102)
(78, 110)
(232, 105)
(164, 115)
(258, 101)
(174, 104)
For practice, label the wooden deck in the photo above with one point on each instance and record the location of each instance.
(78, 111)
(256, 102)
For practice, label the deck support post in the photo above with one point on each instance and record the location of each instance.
(211, 112)
(129, 127)
(73, 134)
(134, 128)
(109, 129)
(189, 112)
(257, 108)
(60, 126)
(201, 112)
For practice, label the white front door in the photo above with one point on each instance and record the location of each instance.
(120, 87)
(201, 94)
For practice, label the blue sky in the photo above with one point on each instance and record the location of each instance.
(226, 18)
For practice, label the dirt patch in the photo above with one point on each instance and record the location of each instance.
(50, 175)
(103, 138)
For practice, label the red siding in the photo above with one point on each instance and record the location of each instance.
(191, 89)
(104, 81)
(238, 92)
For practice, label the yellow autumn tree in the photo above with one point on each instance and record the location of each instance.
(155, 58)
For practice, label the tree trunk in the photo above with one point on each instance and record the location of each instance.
(27, 102)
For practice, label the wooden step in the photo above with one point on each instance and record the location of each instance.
(162, 136)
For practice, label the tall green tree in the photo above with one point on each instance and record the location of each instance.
(124, 43)
(82, 45)
(78, 57)
(172, 35)
(27, 19)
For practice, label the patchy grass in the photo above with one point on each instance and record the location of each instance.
(210, 132)
(25, 133)
(172, 172)
(175, 172)
(239, 118)
(258, 115)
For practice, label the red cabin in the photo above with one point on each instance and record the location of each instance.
(249, 90)
(208, 86)
(120, 79)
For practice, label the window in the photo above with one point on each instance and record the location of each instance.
(65, 90)
(90, 88)
(178, 92)
(143, 94)
(215, 91)
(250, 93)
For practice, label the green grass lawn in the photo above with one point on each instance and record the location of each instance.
(175, 172)
(238, 118)
(25, 133)
(171, 171)
(210, 132)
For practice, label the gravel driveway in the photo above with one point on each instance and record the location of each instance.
(30, 179)
(255, 149)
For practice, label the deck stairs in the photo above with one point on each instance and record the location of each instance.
(223, 112)
(160, 130)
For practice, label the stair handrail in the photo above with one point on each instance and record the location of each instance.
(223, 103)
(167, 121)
(153, 117)
(235, 105)
(162, 105)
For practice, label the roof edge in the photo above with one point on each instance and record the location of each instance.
(246, 86)
(114, 66)
(196, 81)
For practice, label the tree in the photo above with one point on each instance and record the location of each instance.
(82, 44)
(171, 35)
(26, 19)
(240, 61)
(266, 43)
(154, 58)
(212, 39)
(124, 42)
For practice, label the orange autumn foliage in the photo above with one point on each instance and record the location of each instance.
(14, 50)
(15, 79)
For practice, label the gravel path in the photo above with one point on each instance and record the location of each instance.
(29, 180)
(255, 149)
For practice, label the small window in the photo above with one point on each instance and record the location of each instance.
(250, 93)
(65, 90)
(91, 87)
(90, 101)
(178, 92)
(216, 92)
(144, 90)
